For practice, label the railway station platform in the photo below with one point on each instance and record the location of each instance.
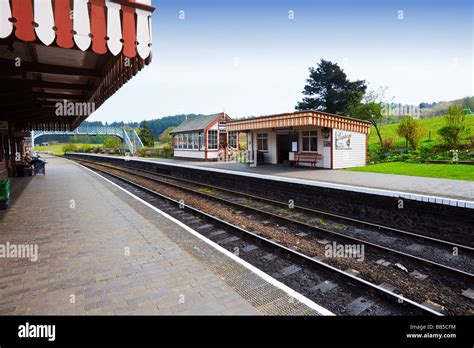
(455, 189)
(99, 250)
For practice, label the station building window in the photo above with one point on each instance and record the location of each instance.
(202, 145)
(185, 140)
(190, 141)
(310, 141)
(233, 140)
(212, 139)
(262, 141)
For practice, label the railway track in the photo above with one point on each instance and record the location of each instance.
(415, 246)
(152, 176)
(339, 291)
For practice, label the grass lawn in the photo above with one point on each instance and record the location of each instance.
(428, 124)
(446, 171)
(57, 149)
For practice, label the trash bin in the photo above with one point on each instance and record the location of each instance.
(4, 193)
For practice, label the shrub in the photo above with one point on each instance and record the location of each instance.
(388, 144)
(452, 134)
(70, 147)
(411, 130)
(112, 142)
(471, 141)
(455, 128)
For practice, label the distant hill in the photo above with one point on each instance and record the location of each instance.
(440, 108)
(157, 125)
(396, 112)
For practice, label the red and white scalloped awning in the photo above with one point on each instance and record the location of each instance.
(119, 26)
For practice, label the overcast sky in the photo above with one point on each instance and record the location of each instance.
(251, 57)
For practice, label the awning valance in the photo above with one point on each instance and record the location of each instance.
(300, 118)
(118, 26)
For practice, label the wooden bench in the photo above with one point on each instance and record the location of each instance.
(311, 158)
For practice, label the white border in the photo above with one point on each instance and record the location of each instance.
(321, 310)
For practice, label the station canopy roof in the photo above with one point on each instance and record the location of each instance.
(198, 123)
(78, 51)
(300, 118)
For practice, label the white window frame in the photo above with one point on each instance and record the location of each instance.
(195, 141)
(310, 134)
(216, 132)
(234, 140)
(262, 139)
(202, 144)
(190, 141)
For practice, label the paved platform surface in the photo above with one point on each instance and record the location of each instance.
(102, 252)
(456, 189)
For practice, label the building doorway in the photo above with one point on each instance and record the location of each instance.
(284, 147)
(223, 139)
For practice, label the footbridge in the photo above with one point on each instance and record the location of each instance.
(129, 137)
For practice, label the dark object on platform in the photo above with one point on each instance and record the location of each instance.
(23, 170)
(4, 204)
(4, 193)
(40, 167)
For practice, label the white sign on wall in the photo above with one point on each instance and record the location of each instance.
(294, 146)
(343, 140)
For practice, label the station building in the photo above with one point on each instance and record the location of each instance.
(202, 137)
(74, 52)
(331, 141)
